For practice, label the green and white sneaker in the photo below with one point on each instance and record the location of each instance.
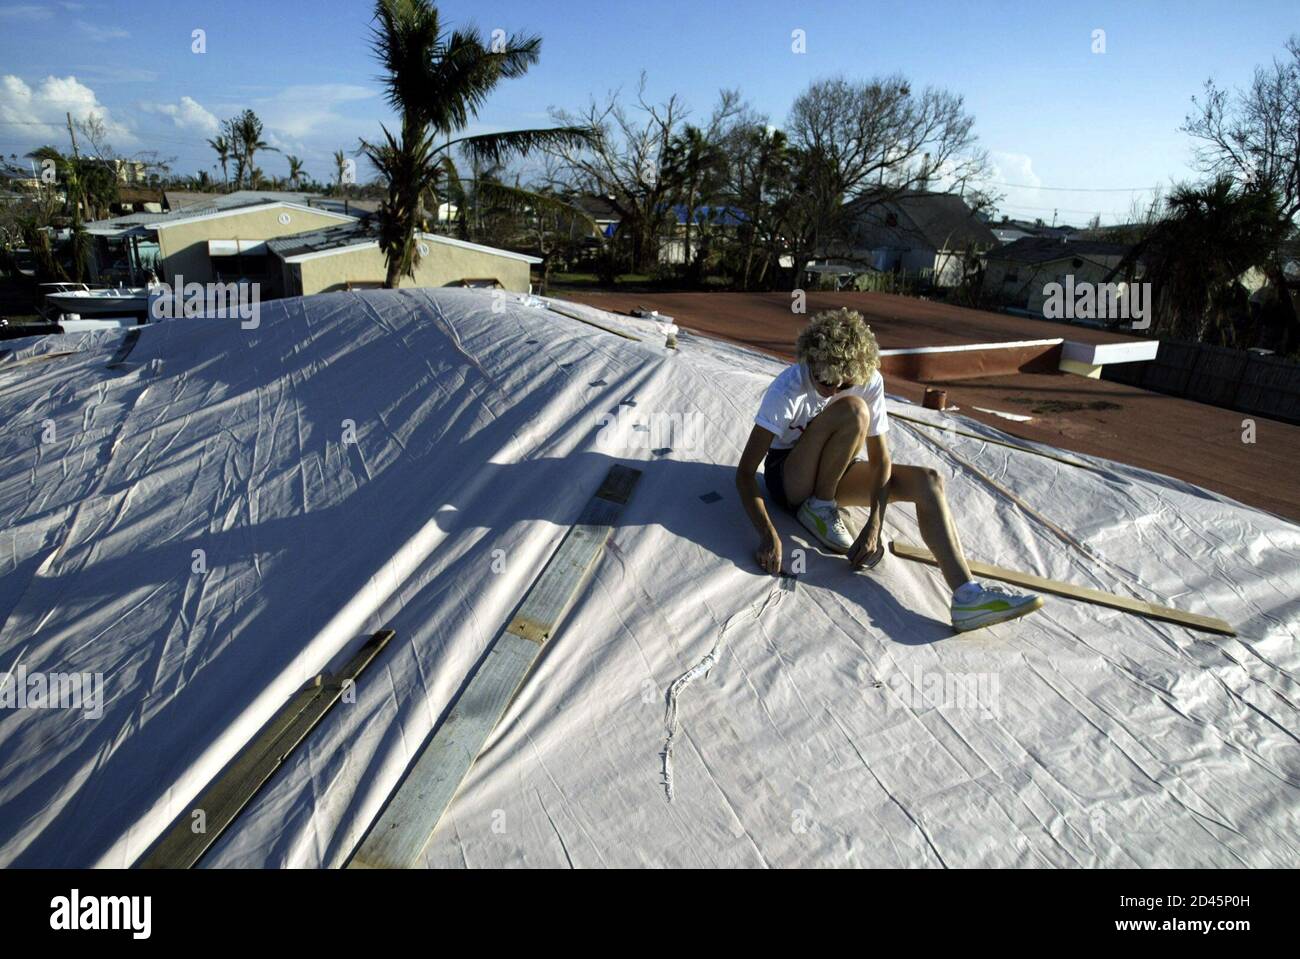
(991, 605)
(826, 523)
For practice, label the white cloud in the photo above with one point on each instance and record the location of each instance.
(309, 109)
(1014, 168)
(1024, 200)
(100, 34)
(38, 115)
(115, 73)
(188, 114)
(25, 11)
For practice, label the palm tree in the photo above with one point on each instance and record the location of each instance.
(295, 170)
(761, 162)
(247, 136)
(222, 146)
(340, 169)
(691, 165)
(437, 81)
(1195, 255)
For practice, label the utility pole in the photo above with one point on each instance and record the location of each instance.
(72, 178)
(73, 135)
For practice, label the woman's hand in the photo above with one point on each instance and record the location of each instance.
(768, 553)
(869, 548)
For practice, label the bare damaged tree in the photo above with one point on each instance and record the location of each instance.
(870, 141)
(1253, 136)
(627, 158)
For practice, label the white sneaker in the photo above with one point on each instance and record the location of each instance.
(827, 525)
(992, 605)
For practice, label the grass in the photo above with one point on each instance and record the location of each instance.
(593, 281)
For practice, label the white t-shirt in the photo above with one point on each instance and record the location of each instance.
(792, 401)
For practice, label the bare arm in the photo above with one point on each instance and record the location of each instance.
(769, 549)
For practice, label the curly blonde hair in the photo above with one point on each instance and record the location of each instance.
(838, 346)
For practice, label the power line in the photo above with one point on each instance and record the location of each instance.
(1077, 189)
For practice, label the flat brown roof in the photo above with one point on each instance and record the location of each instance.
(1182, 438)
(899, 322)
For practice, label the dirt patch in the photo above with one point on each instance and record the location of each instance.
(1044, 407)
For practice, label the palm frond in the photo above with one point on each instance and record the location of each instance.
(498, 148)
(513, 199)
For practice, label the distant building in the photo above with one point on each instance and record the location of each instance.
(703, 220)
(223, 241)
(347, 256)
(1008, 230)
(604, 211)
(921, 233)
(288, 247)
(1016, 274)
(131, 172)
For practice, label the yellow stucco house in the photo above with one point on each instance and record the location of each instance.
(290, 244)
(348, 257)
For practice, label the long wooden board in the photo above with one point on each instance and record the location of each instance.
(1128, 604)
(408, 821)
(1068, 461)
(554, 308)
(181, 847)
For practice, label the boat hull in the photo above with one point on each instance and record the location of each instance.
(111, 303)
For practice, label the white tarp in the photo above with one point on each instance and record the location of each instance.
(834, 728)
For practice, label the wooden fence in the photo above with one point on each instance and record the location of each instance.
(1235, 379)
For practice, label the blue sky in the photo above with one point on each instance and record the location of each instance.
(1062, 123)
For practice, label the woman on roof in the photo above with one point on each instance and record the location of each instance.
(820, 434)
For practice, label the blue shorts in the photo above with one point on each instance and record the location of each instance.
(774, 478)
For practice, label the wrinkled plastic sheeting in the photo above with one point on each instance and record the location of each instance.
(411, 458)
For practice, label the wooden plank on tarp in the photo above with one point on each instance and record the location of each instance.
(571, 314)
(412, 813)
(1168, 614)
(181, 847)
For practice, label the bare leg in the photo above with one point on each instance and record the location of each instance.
(924, 487)
(818, 463)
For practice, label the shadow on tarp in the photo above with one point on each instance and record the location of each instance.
(671, 494)
(379, 515)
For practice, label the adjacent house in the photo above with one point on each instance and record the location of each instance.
(917, 232)
(180, 199)
(289, 243)
(221, 242)
(347, 256)
(1017, 273)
